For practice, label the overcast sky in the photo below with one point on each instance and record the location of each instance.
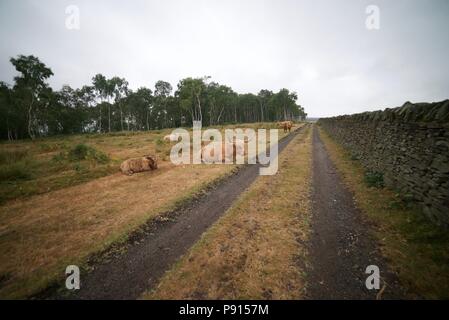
(320, 49)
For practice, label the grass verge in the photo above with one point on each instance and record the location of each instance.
(417, 250)
(254, 251)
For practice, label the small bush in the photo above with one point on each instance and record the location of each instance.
(79, 152)
(83, 152)
(374, 179)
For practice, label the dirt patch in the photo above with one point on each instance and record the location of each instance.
(341, 246)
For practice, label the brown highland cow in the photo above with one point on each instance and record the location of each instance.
(135, 165)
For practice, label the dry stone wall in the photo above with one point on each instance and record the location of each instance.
(409, 145)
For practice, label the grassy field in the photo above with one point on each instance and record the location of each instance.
(36, 167)
(62, 202)
(255, 251)
(416, 249)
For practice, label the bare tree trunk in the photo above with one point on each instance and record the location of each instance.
(211, 119)
(235, 114)
(193, 113)
(219, 116)
(199, 108)
(30, 131)
(9, 131)
(148, 124)
(100, 117)
(121, 116)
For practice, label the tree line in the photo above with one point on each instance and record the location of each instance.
(30, 108)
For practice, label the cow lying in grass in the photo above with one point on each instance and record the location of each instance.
(135, 165)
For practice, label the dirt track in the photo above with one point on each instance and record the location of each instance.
(128, 275)
(341, 247)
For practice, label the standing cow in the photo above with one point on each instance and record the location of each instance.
(286, 125)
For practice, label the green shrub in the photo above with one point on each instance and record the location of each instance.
(374, 179)
(79, 152)
(83, 152)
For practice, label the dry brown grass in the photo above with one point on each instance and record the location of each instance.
(417, 250)
(254, 250)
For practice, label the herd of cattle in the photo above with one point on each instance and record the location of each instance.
(229, 151)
